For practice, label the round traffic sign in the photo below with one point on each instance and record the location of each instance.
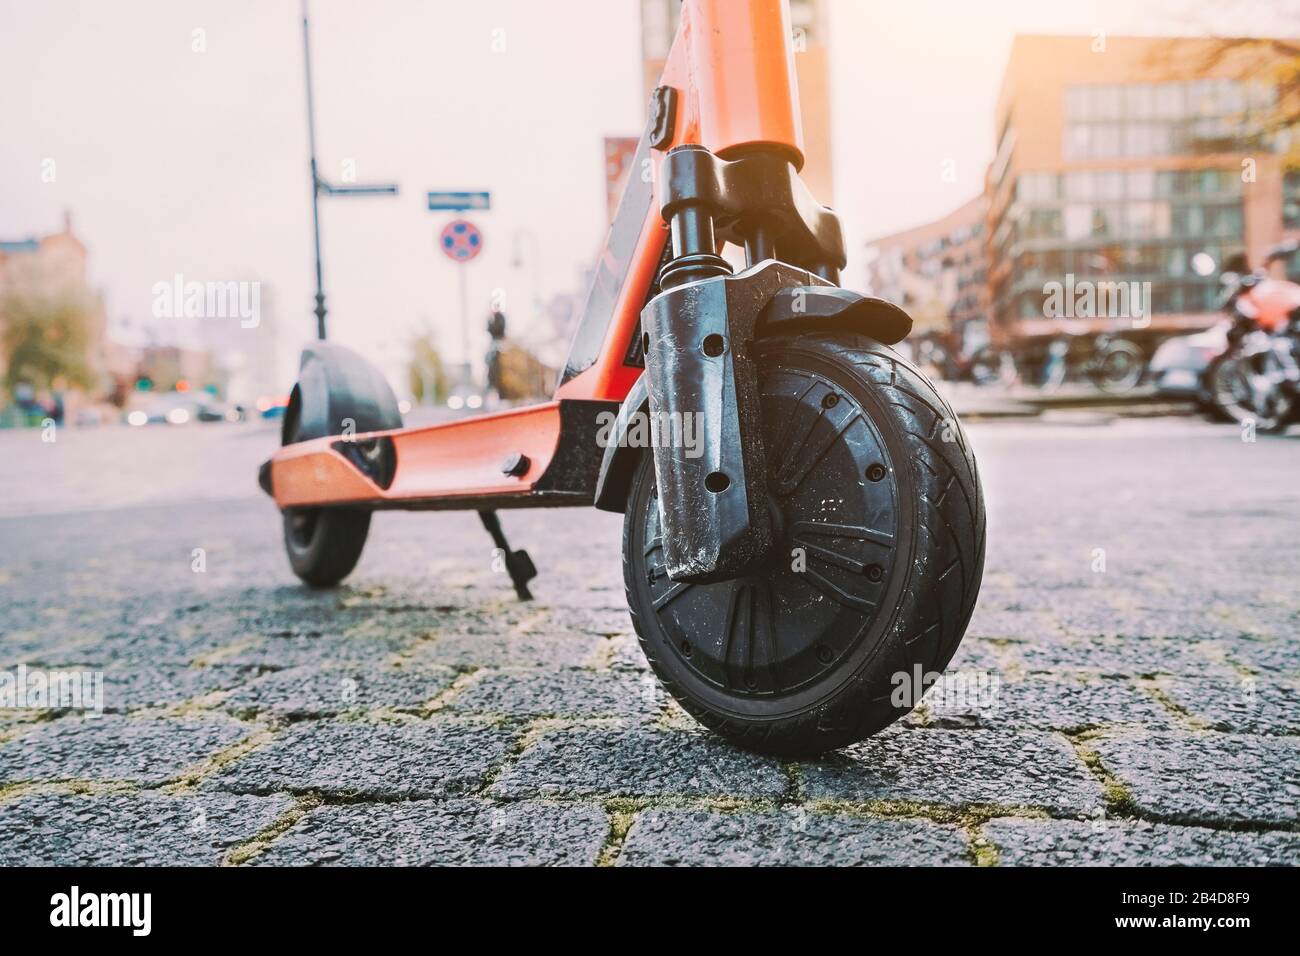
(461, 240)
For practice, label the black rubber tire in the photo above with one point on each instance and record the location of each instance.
(927, 592)
(1206, 400)
(1124, 357)
(324, 544)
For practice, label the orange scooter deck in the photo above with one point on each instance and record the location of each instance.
(454, 465)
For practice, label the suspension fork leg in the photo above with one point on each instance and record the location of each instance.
(709, 461)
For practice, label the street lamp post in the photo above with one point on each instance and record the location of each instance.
(320, 185)
(518, 260)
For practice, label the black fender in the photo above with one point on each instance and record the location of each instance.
(819, 308)
(618, 463)
(791, 311)
(337, 391)
(340, 393)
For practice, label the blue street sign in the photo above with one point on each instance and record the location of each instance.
(459, 201)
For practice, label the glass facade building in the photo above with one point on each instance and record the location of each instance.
(1142, 225)
(1121, 165)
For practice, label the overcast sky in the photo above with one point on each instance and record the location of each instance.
(177, 161)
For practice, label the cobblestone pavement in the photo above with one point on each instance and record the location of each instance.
(1140, 614)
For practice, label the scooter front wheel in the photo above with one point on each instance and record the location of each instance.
(879, 522)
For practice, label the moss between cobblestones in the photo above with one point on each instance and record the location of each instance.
(622, 814)
(250, 848)
(226, 651)
(1173, 706)
(453, 690)
(190, 778)
(17, 791)
(198, 705)
(794, 778)
(982, 851)
(623, 811)
(966, 816)
(530, 731)
(1119, 800)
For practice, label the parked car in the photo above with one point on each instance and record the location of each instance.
(179, 408)
(1181, 365)
(465, 397)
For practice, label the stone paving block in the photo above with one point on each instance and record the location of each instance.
(46, 626)
(563, 693)
(1120, 657)
(1273, 616)
(285, 652)
(1123, 843)
(1255, 705)
(1279, 655)
(974, 654)
(1207, 777)
(791, 837)
(1023, 625)
(589, 598)
(180, 646)
(30, 648)
(144, 750)
(136, 829)
(375, 760)
(1046, 703)
(322, 691)
(510, 650)
(603, 622)
(957, 767)
(129, 688)
(1143, 622)
(638, 762)
(626, 654)
(312, 616)
(433, 833)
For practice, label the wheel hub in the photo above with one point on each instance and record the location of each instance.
(833, 501)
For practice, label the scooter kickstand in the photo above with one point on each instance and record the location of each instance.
(519, 565)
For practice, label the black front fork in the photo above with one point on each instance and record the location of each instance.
(709, 459)
(710, 463)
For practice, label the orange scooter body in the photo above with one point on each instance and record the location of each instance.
(731, 71)
(799, 422)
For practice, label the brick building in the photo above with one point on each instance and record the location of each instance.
(938, 273)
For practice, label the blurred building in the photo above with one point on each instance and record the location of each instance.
(244, 363)
(1120, 159)
(937, 272)
(812, 65)
(619, 153)
(168, 368)
(52, 270)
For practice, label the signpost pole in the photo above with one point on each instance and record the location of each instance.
(464, 315)
(315, 178)
(319, 184)
(460, 241)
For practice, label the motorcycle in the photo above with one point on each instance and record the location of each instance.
(821, 534)
(1257, 379)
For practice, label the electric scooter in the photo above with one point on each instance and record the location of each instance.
(823, 532)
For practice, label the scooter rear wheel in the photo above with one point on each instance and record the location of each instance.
(880, 550)
(323, 544)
